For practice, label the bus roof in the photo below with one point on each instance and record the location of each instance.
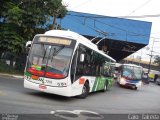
(132, 65)
(79, 38)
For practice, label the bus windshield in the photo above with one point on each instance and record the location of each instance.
(49, 59)
(132, 72)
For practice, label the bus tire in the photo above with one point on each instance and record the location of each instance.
(85, 90)
(135, 88)
(106, 86)
(119, 84)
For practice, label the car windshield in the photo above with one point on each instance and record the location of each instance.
(132, 72)
(49, 60)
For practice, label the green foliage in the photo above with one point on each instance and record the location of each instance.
(57, 10)
(20, 20)
(10, 40)
(15, 15)
(5, 6)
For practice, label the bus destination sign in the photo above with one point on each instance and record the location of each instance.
(55, 40)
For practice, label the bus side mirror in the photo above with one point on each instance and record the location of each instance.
(28, 45)
(82, 58)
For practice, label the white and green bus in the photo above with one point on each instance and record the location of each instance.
(68, 64)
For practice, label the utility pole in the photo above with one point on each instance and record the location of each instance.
(151, 55)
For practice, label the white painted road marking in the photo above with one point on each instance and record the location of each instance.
(77, 114)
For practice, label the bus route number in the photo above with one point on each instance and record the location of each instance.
(48, 82)
(61, 84)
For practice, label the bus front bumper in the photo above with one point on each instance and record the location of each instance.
(131, 84)
(63, 91)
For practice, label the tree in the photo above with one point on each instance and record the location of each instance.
(20, 20)
(10, 39)
(157, 60)
(58, 10)
(5, 5)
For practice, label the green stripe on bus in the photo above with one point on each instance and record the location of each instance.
(27, 74)
(94, 86)
(100, 83)
(110, 82)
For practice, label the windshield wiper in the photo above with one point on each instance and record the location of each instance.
(55, 52)
(44, 52)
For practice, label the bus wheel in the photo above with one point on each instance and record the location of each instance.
(85, 91)
(119, 84)
(105, 86)
(134, 87)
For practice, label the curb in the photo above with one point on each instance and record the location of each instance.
(17, 76)
(10, 75)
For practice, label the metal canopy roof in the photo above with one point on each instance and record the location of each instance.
(117, 49)
(121, 37)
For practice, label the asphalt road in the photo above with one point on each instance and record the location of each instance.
(15, 99)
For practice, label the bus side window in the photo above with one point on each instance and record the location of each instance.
(93, 63)
(96, 63)
(79, 69)
(84, 68)
(87, 64)
(73, 66)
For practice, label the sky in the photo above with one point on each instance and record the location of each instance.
(145, 10)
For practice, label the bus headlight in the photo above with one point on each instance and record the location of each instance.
(140, 83)
(122, 80)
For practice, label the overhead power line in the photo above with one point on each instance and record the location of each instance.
(140, 16)
(81, 4)
(133, 16)
(139, 7)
